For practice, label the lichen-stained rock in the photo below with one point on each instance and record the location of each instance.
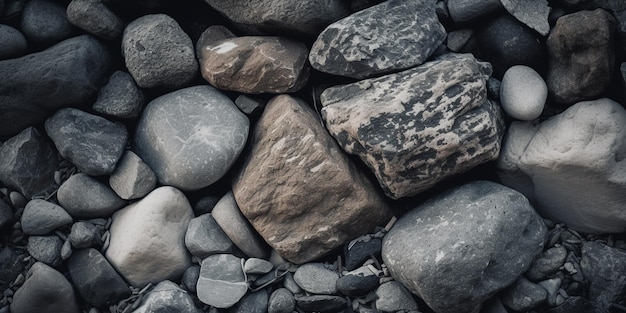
(298, 189)
(419, 126)
(255, 64)
(391, 36)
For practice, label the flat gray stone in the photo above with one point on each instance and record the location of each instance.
(45, 249)
(523, 93)
(95, 18)
(120, 97)
(357, 283)
(82, 196)
(132, 178)
(257, 266)
(281, 301)
(316, 279)
(547, 263)
(205, 237)
(533, 13)
(523, 296)
(167, 297)
(45, 290)
(393, 297)
(391, 36)
(13, 42)
(41, 217)
(222, 282)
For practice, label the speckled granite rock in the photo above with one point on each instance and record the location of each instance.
(417, 127)
(390, 36)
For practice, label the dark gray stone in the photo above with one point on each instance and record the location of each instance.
(190, 278)
(576, 305)
(191, 137)
(315, 278)
(67, 74)
(461, 247)
(415, 128)
(547, 263)
(393, 297)
(252, 302)
(120, 97)
(357, 283)
(13, 42)
(46, 249)
(6, 214)
(84, 197)
(222, 282)
(463, 11)
(256, 266)
(41, 217)
(533, 13)
(132, 178)
(552, 287)
(167, 297)
(45, 22)
(10, 266)
(249, 104)
(95, 279)
(95, 18)
(205, 237)
(91, 142)
(33, 175)
(523, 296)
(45, 290)
(321, 303)
(605, 269)
(84, 235)
(158, 53)
(391, 36)
(281, 301)
(356, 254)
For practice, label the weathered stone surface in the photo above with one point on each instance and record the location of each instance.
(390, 36)
(222, 281)
(95, 18)
(32, 175)
(306, 17)
(582, 56)
(83, 235)
(523, 296)
(325, 200)
(158, 53)
(148, 238)
(211, 35)
(257, 266)
(13, 42)
(281, 301)
(533, 13)
(120, 97)
(191, 137)
(46, 249)
(45, 22)
(93, 143)
(458, 249)
(463, 11)
(547, 263)
(204, 237)
(82, 196)
(41, 217)
(252, 302)
(315, 278)
(45, 290)
(256, 64)
(523, 93)
(605, 268)
(417, 127)
(572, 165)
(10, 266)
(394, 297)
(67, 74)
(167, 297)
(132, 177)
(357, 283)
(6, 213)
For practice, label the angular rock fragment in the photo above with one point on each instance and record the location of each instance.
(533, 13)
(45, 290)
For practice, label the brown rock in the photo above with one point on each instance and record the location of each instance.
(255, 64)
(299, 190)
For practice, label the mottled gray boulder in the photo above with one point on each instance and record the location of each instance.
(120, 97)
(95, 18)
(533, 13)
(46, 249)
(417, 127)
(132, 177)
(32, 175)
(205, 237)
(572, 166)
(222, 282)
(605, 268)
(325, 200)
(304, 17)
(167, 297)
(255, 64)
(45, 22)
(93, 143)
(391, 36)
(13, 42)
(82, 196)
(66, 74)
(41, 217)
(460, 248)
(158, 53)
(95, 279)
(45, 290)
(191, 137)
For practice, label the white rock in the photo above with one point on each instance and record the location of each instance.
(523, 93)
(148, 238)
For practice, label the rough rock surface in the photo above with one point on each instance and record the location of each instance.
(391, 36)
(41, 217)
(120, 97)
(533, 13)
(132, 177)
(204, 237)
(95, 18)
(582, 56)
(417, 127)
(222, 281)
(325, 201)
(458, 249)
(191, 137)
(45, 249)
(605, 267)
(256, 64)
(523, 295)
(167, 297)
(148, 238)
(45, 22)
(13, 42)
(315, 278)
(83, 196)
(463, 11)
(572, 165)
(45, 290)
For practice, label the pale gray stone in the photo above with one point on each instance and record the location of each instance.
(205, 237)
(222, 282)
(120, 97)
(13, 42)
(95, 18)
(533, 13)
(391, 36)
(83, 196)
(167, 297)
(393, 297)
(132, 178)
(46, 249)
(257, 266)
(45, 290)
(41, 217)
(417, 127)
(316, 279)
(523, 93)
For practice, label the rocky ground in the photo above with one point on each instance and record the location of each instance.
(322, 156)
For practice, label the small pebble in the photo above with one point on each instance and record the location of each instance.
(281, 301)
(257, 266)
(523, 93)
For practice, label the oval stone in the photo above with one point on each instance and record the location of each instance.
(523, 93)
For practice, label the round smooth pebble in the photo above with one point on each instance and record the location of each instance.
(13, 42)
(523, 93)
(281, 301)
(257, 266)
(316, 279)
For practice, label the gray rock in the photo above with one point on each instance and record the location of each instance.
(120, 97)
(95, 279)
(205, 237)
(321, 303)
(576, 305)
(33, 175)
(222, 282)
(458, 39)
(66, 250)
(191, 137)
(393, 297)
(463, 11)
(45, 290)
(250, 105)
(605, 269)
(82, 196)
(357, 253)
(461, 247)
(17, 199)
(565, 165)
(190, 278)
(391, 36)
(6, 214)
(281, 301)
(523, 93)
(158, 53)
(235, 63)
(291, 284)
(252, 302)
(316, 279)
(41, 217)
(45, 22)
(414, 129)
(13, 42)
(91, 142)
(230, 219)
(167, 297)
(95, 18)
(257, 266)
(308, 17)
(10, 266)
(132, 178)
(533, 13)
(547, 263)
(523, 296)
(357, 283)
(67, 74)
(46, 249)
(84, 235)
(210, 35)
(551, 286)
